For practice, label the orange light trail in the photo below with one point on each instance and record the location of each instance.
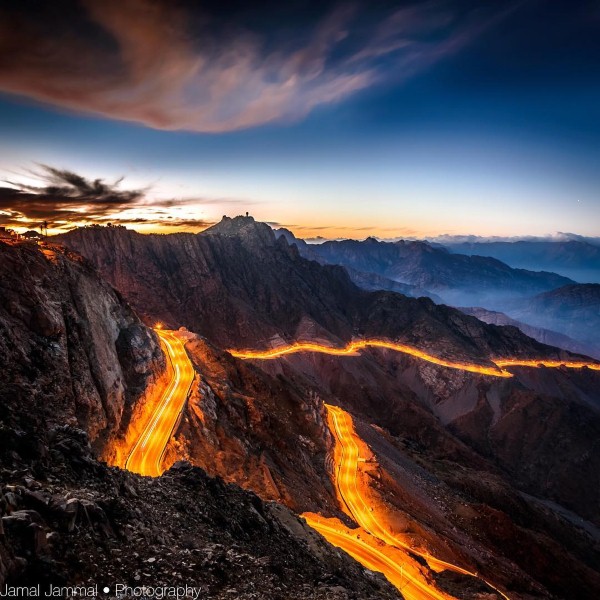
(386, 561)
(551, 364)
(355, 504)
(352, 349)
(146, 456)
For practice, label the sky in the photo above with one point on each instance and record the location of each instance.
(333, 119)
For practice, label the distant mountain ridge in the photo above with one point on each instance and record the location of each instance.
(458, 279)
(363, 279)
(573, 310)
(577, 259)
(545, 336)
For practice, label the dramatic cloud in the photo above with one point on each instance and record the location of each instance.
(65, 199)
(170, 66)
(63, 196)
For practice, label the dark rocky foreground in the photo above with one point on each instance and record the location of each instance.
(69, 520)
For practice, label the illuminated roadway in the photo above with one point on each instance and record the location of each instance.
(146, 456)
(499, 370)
(350, 490)
(368, 556)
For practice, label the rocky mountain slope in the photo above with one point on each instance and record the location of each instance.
(240, 286)
(227, 284)
(475, 463)
(489, 466)
(457, 455)
(263, 432)
(458, 279)
(73, 352)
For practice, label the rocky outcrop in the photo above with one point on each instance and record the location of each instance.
(265, 433)
(71, 349)
(233, 289)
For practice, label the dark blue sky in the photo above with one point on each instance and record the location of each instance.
(396, 119)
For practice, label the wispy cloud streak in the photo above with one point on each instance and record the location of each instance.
(167, 68)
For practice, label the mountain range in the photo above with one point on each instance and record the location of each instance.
(576, 259)
(241, 285)
(572, 310)
(496, 473)
(482, 282)
(458, 279)
(546, 336)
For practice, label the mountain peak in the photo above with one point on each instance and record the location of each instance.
(243, 227)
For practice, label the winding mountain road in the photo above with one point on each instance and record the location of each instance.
(351, 491)
(369, 556)
(146, 456)
(352, 348)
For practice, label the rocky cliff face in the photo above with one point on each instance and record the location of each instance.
(265, 433)
(72, 350)
(234, 289)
